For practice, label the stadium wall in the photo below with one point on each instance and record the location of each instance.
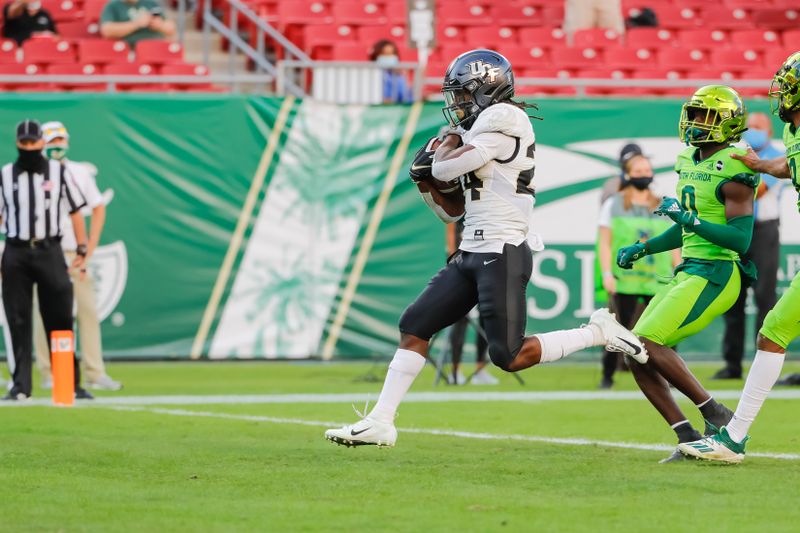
(257, 227)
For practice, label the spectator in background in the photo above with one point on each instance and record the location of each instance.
(627, 217)
(764, 251)
(395, 86)
(588, 14)
(24, 19)
(134, 21)
(613, 184)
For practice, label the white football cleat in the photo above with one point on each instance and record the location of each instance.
(483, 377)
(618, 338)
(365, 432)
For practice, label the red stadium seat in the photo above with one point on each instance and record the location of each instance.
(186, 69)
(517, 15)
(77, 70)
(629, 58)
(773, 59)
(490, 37)
(102, 51)
(8, 51)
(372, 34)
(449, 34)
(460, 15)
(755, 39)
(304, 12)
(777, 19)
(396, 13)
(319, 40)
(16, 69)
(651, 38)
(677, 18)
(575, 58)
(74, 30)
(47, 52)
(132, 69)
(345, 12)
(92, 9)
(545, 36)
(711, 73)
(791, 39)
(736, 60)
(351, 52)
(158, 52)
(682, 58)
(729, 19)
(62, 10)
(705, 39)
(524, 57)
(595, 38)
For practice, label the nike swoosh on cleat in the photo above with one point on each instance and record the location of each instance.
(637, 348)
(353, 432)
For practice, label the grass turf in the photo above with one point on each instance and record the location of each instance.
(95, 469)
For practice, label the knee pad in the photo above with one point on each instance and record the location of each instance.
(501, 355)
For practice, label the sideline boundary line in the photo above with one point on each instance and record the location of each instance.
(437, 432)
(413, 397)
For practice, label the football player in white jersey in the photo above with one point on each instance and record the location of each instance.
(489, 153)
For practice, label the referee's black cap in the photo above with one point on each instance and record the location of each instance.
(29, 130)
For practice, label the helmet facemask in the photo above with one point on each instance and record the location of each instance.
(460, 107)
(784, 96)
(699, 125)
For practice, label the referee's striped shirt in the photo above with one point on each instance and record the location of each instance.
(31, 201)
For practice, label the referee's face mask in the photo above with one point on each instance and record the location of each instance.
(30, 153)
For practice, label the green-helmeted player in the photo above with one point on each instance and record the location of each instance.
(713, 217)
(782, 323)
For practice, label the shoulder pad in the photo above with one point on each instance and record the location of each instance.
(737, 171)
(684, 157)
(502, 118)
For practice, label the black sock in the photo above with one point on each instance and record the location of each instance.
(709, 409)
(686, 433)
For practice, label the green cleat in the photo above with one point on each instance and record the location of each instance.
(719, 447)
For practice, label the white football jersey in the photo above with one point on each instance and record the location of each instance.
(499, 195)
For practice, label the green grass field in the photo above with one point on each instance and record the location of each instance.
(208, 466)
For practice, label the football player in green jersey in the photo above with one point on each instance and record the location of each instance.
(713, 218)
(782, 323)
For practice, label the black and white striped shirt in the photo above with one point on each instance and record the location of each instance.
(30, 201)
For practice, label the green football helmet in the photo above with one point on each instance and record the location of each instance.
(784, 92)
(714, 114)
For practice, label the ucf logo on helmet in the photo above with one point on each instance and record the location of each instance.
(484, 70)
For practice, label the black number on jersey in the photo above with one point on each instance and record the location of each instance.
(473, 184)
(526, 176)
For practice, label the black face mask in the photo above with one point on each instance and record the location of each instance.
(641, 182)
(30, 159)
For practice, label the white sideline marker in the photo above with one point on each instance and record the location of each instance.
(440, 432)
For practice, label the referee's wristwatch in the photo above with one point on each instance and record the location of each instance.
(81, 250)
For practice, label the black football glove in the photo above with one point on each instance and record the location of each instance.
(422, 166)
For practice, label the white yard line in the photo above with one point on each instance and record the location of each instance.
(439, 432)
(413, 397)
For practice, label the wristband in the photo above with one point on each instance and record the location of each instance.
(81, 250)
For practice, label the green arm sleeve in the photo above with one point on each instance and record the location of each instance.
(669, 240)
(735, 235)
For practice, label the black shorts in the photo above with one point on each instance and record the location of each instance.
(495, 282)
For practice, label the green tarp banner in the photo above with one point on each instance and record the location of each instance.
(235, 223)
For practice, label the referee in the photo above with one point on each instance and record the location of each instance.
(31, 191)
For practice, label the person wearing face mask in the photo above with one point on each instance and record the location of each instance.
(395, 86)
(625, 217)
(32, 190)
(764, 252)
(26, 18)
(56, 138)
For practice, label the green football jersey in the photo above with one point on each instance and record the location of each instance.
(791, 139)
(699, 191)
